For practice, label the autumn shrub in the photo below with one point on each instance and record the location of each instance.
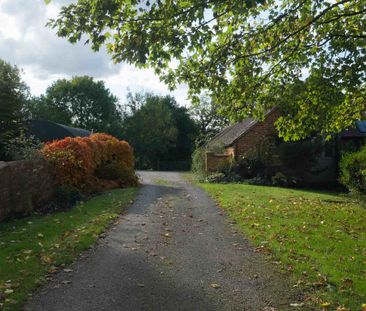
(92, 163)
(353, 170)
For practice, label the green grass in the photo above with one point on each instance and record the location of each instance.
(162, 182)
(34, 246)
(319, 237)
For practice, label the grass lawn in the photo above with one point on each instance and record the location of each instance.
(320, 238)
(162, 182)
(32, 247)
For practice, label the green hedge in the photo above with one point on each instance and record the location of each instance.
(353, 170)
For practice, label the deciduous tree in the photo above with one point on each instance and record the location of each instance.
(13, 94)
(80, 102)
(247, 54)
(151, 130)
(208, 119)
(159, 130)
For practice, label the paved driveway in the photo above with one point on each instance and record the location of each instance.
(173, 250)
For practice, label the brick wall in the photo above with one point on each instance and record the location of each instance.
(24, 185)
(256, 134)
(215, 161)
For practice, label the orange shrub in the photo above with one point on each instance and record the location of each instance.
(92, 163)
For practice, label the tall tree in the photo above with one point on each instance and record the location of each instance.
(151, 130)
(81, 102)
(13, 94)
(159, 130)
(245, 53)
(187, 131)
(208, 118)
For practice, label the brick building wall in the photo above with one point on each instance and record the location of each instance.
(24, 185)
(256, 134)
(215, 161)
(250, 140)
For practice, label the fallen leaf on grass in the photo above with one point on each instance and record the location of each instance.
(46, 259)
(52, 269)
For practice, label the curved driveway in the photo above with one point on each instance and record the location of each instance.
(173, 250)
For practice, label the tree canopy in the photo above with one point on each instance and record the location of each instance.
(208, 120)
(13, 94)
(246, 54)
(158, 129)
(80, 102)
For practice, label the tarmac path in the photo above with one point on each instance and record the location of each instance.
(174, 249)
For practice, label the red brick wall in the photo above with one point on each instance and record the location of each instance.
(215, 161)
(24, 185)
(256, 134)
(230, 151)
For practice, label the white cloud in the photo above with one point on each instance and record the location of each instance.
(26, 42)
(142, 80)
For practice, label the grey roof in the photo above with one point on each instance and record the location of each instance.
(359, 131)
(361, 125)
(75, 131)
(47, 131)
(228, 136)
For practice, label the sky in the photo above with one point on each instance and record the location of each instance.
(44, 57)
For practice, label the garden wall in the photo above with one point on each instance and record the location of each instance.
(24, 185)
(215, 161)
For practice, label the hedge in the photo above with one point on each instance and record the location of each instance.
(93, 163)
(353, 170)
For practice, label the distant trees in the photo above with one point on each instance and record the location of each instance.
(80, 102)
(13, 94)
(158, 129)
(206, 114)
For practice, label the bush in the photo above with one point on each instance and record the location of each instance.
(281, 180)
(256, 162)
(223, 176)
(198, 162)
(299, 155)
(353, 171)
(298, 159)
(215, 178)
(92, 163)
(22, 147)
(65, 198)
(250, 166)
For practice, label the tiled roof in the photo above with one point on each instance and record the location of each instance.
(231, 133)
